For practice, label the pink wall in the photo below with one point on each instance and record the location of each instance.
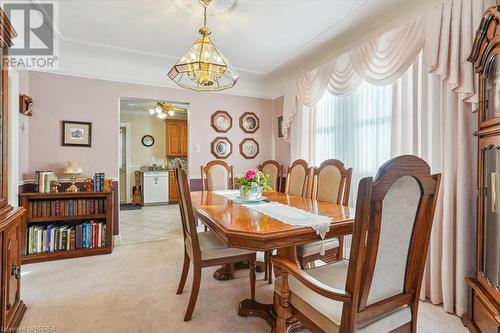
(59, 97)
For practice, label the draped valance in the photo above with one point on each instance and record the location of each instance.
(445, 34)
(379, 61)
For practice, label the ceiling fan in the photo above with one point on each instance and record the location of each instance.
(163, 110)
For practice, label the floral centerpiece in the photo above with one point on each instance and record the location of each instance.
(252, 183)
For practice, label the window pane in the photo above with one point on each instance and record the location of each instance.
(355, 129)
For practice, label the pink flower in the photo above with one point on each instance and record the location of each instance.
(251, 174)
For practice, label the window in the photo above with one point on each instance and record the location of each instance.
(355, 129)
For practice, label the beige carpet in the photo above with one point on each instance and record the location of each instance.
(133, 290)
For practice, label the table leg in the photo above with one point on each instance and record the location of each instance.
(249, 307)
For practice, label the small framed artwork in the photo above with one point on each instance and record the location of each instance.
(249, 148)
(280, 127)
(249, 122)
(221, 147)
(76, 133)
(221, 121)
(148, 140)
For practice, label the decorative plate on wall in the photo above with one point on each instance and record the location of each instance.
(249, 148)
(221, 147)
(249, 122)
(221, 121)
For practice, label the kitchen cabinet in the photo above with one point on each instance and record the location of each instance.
(177, 137)
(172, 189)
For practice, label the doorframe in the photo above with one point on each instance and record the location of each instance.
(127, 160)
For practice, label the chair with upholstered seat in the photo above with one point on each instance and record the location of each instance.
(378, 289)
(217, 175)
(298, 179)
(331, 183)
(274, 170)
(203, 249)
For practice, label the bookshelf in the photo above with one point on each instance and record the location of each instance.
(81, 225)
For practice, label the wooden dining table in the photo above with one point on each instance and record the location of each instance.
(241, 227)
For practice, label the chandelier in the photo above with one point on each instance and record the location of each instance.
(204, 67)
(164, 110)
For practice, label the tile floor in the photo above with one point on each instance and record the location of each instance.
(152, 223)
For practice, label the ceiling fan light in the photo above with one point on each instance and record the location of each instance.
(152, 111)
(171, 113)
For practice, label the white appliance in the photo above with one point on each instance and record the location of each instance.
(155, 187)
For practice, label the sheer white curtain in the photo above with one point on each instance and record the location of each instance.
(355, 129)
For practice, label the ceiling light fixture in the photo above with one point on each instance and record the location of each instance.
(171, 113)
(204, 67)
(152, 111)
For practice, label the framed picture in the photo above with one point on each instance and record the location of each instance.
(249, 122)
(76, 133)
(221, 121)
(280, 127)
(249, 148)
(221, 147)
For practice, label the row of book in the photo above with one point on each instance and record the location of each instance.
(43, 179)
(50, 238)
(99, 182)
(70, 207)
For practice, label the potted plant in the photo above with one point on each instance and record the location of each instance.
(252, 183)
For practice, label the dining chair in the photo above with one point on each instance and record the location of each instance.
(298, 179)
(274, 170)
(378, 289)
(331, 183)
(217, 175)
(203, 249)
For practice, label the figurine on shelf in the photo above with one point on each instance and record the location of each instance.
(89, 185)
(108, 185)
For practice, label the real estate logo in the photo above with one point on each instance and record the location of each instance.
(36, 45)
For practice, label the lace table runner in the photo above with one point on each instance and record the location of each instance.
(287, 214)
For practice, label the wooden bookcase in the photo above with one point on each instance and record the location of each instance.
(107, 217)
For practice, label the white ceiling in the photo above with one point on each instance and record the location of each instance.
(266, 40)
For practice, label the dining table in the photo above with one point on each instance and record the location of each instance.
(240, 226)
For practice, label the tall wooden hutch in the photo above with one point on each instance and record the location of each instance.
(484, 313)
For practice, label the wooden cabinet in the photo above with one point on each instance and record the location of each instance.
(177, 137)
(484, 312)
(13, 307)
(172, 189)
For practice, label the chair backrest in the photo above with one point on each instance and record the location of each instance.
(217, 175)
(332, 182)
(298, 179)
(394, 215)
(187, 215)
(275, 171)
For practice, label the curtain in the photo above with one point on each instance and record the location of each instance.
(355, 129)
(431, 116)
(379, 61)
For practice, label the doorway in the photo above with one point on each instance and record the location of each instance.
(124, 163)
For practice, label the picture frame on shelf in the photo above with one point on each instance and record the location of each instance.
(76, 133)
(221, 147)
(221, 121)
(249, 148)
(249, 122)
